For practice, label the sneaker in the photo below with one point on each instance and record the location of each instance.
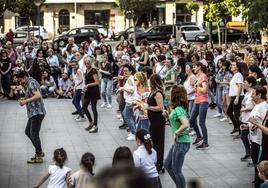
(119, 116)
(121, 119)
(212, 105)
(129, 134)
(80, 119)
(89, 127)
(35, 155)
(203, 146)
(123, 126)
(94, 129)
(237, 137)
(247, 156)
(109, 106)
(35, 160)
(230, 122)
(250, 165)
(198, 141)
(223, 119)
(131, 137)
(217, 115)
(191, 132)
(74, 113)
(234, 131)
(103, 105)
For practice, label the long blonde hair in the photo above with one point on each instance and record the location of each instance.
(142, 79)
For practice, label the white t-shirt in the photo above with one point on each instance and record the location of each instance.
(130, 85)
(146, 161)
(237, 79)
(82, 66)
(259, 112)
(57, 176)
(160, 70)
(76, 79)
(247, 103)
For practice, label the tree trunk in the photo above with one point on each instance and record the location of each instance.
(196, 17)
(219, 34)
(28, 30)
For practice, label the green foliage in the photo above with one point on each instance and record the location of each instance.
(258, 14)
(136, 7)
(22, 7)
(192, 6)
(7, 5)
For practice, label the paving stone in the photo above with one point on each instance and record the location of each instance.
(219, 166)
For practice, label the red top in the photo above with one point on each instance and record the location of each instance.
(199, 96)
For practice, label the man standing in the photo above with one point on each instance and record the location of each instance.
(10, 36)
(35, 111)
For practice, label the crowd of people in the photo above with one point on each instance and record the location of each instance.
(154, 85)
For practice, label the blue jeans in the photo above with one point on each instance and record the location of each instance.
(174, 161)
(219, 99)
(143, 124)
(129, 118)
(76, 101)
(107, 90)
(190, 106)
(201, 110)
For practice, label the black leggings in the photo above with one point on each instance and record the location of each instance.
(93, 102)
(157, 131)
(233, 112)
(32, 131)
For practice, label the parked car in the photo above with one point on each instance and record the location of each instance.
(193, 32)
(20, 37)
(159, 33)
(126, 33)
(35, 31)
(80, 34)
(100, 28)
(233, 35)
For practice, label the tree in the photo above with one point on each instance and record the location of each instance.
(193, 7)
(219, 10)
(6, 5)
(135, 9)
(258, 15)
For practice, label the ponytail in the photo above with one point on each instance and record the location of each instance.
(145, 138)
(60, 157)
(88, 161)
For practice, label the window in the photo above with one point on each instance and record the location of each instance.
(64, 19)
(97, 17)
(166, 29)
(84, 30)
(21, 35)
(73, 32)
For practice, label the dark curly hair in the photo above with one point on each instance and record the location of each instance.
(179, 96)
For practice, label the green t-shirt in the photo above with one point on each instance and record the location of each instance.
(168, 76)
(174, 118)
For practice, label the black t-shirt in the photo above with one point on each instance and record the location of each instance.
(92, 92)
(4, 64)
(108, 67)
(155, 117)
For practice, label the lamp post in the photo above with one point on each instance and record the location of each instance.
(38, 5)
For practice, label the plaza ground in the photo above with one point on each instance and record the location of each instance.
(219, 166)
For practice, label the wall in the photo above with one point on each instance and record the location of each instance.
(79, 20)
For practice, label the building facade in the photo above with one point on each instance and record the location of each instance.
(69, 14)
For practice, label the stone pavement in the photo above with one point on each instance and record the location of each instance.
(219, 166)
